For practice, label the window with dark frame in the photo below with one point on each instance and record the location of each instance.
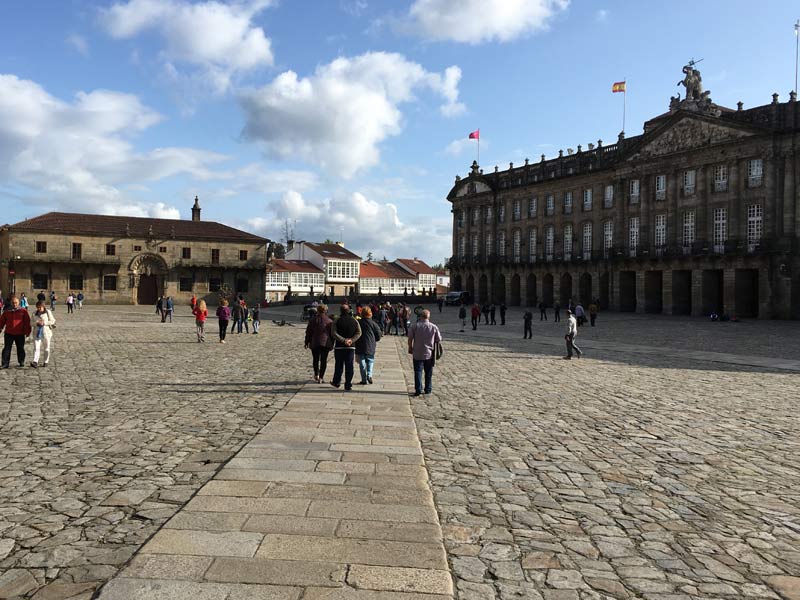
(243, 285)
(40, 281)
(215, 256)
(214, 284)
(109, 283)
(242, 254)
(111, 250)
(77, 251)
(41, 247)
(186, 253)
(75, 282)
(185, 284)
(162, 249)
(137, 248)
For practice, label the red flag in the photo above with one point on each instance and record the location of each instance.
(475, 135)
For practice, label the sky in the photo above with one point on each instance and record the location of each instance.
(345, 119)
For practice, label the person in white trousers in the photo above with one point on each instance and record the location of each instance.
(47, 321)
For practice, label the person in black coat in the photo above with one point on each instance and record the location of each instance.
(367, 344)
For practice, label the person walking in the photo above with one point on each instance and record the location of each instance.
(527, 322)
(17, 324)
(476, 316)
(383, 319)
(169, 308)
(320, 340)
(80, 300)
(70, 303)
(462, 314)
(44, 321)
(224, 315)
(405, 315)
(542, 311)
(366, 345)
(346, 332)
(485, 310)
(580, 314)
(556, 312)
(41, 297)
(255, 314)
(23, 301)
(200, 312)
(160, 307)
(503, 309)
(493, 312)
(236, 316)
(422, 340)
(592, 313)
(193, 302)
(53, 300)
(440, 303)
(572, 332)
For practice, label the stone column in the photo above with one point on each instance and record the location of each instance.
(613, 293)
(729, 291)
(697, 292)
(640, 296)
(666, 292)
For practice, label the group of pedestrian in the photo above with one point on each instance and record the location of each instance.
(165, 308)
(235, 313)
(489, 312)
(17, 325)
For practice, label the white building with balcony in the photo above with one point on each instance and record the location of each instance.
(340, 266)
(424, 275)
(300, 277)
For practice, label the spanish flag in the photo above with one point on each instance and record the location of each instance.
(619, 86)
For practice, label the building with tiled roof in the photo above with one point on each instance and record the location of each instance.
(130, 260)
(384, 278)
(296, 277)
(424, 274)
(341, 266)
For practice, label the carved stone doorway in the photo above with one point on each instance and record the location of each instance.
(147, 293)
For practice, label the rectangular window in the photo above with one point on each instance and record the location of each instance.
(567, 241)
(532, 245)
(608, 238)
(689, 181)
(633, 235)
(162, 249)
(77, 251)
(109, 283)
(242, 254)
(215, 256)
(516, 245)
(185, 284)
(214, 284)
(75, 282)
(550, 206)
(755, 172)
(487, 215)
(754, 224)
(688, 231)
(501, 213)
(567, 203)
(111, 250)
(186, 253)
(475, 245)
(608, 197)
(587, 241)
(41, 247)
(660, 238)
(501, 243)
(517, 210)
(720, 233)
(475, 215)
(720, 178)
(549, 241)
(137, 248)
(40, 281)
(460, 219)
(243, 285)
(532, 207)
(634, 189)
(462, 246)
(587, 200)
(661, 187)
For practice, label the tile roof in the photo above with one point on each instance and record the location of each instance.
(332, 251)
(417, 266)
(394, 271)
(295, 266)
(371, 269)
(135, 227)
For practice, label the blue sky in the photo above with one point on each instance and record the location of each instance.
(342, 115)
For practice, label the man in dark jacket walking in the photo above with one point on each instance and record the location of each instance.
(17, 324)
(346, 332)
(367, 344)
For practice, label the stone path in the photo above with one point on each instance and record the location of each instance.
(330, 500)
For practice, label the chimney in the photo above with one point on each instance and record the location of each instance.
(289, 245)
(340, 244)
(196, 210)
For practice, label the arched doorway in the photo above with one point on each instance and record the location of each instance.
(547, 289)
(585, 289)
(565, 294)
(604, 293)
(530, 291)
(515, 299)
(483, 289)
(500, 289)
(148, 274)
(627, 291)
(471, 287)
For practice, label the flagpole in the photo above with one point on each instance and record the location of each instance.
(479, 149)
(796, 51)
(624, 102)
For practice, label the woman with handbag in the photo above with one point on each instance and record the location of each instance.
(320, 341)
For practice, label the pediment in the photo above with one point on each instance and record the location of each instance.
(472, 186)
(691, 132)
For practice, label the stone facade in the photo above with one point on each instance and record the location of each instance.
(699, 214)
(122, 260)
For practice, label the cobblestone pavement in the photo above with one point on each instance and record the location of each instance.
(618, 475)
(101, 448)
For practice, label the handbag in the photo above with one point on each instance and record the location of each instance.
(438, 351)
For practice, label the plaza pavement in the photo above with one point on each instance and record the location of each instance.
(661, 465)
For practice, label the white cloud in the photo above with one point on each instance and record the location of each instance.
(479, 21)
(77, 155)
(219, 39)
(601, 15)
(367, 225)
(462, 145)
(337, 117)
(78, 43)
(354, 8)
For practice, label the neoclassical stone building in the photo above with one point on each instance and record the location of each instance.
(700, 213)
(128, 260)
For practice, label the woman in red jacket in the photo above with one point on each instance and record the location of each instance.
(17, 324)
(200, 312)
